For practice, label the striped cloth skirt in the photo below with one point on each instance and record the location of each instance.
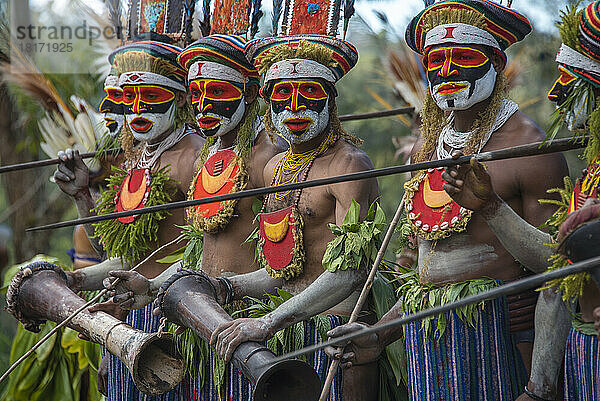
(582, 367)
(466, 363)
(120, 383)
(237, 387)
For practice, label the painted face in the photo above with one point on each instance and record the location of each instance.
(218, 105)
(299, 109)
(575, 116)
(112, 108)
(459, 76)
(149, 110)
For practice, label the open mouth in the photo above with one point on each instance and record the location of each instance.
(297, 123)
(207, 122)
(451, 88)
(140, 124)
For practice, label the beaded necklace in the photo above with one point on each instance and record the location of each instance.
(280, 247)
(293, 164)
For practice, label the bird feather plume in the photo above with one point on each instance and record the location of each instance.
(277, 8)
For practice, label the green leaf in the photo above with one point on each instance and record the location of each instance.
(352, 214)
(173, 257)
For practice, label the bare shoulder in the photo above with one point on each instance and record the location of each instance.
(182, 158)
(347, 158)
(269, 169)
(265, 147)
(519, 129)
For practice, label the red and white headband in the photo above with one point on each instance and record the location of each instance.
(148, 78)
(573, 58)
(212, 70)
(460, 33)
(297, 68)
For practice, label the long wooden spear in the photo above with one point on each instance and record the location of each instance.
(48, 162)
(364, 294)
(346, 117)
(515, 287)
(532, 149)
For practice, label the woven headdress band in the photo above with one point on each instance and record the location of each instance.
(573, 58)
(111, 81)
(460, 33)
(297, 68)
(148, 78)
(212, 70)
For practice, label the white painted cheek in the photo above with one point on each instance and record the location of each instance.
(483, 89)
(576, 118)
(320, 122)
(162, 123)
(227, 124)
(119, 119)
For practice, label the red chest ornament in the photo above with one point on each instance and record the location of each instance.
(217, 177)
(133, 194)
(280, 244)
(586, 187)
(430, 210)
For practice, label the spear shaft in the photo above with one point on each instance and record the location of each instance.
(47, 162)
(532, 149)
(345, 117)
(515, 287)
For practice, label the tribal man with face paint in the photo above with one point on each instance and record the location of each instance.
(294, 233)
(223, 88)
(466, 244)
(112, 105)
(575, 93)
(160, 152)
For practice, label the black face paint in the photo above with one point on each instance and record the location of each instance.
(215, 102)
(562, 86)
(151, 99)
(296, 95)
(112, 107)
(456, 64)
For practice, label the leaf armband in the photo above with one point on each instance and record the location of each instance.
(356, 242)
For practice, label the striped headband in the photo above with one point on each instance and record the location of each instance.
(341, 55)
(212, 70)
(573, 58)
(226, 50)
(506, 25)
(148, 62)
(460, 33)
(589, 31)
(299, 68)
(148, 78)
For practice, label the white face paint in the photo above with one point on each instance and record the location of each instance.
(470, 95)
(578, 115)
(225, 124)
(284, 122)
(149, 126)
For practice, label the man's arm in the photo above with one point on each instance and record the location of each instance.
(72, 177)
(552, 325)
(90, 278)
(471, 187)
(317, 297)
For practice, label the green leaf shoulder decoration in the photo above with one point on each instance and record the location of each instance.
(356, 242)
(131, 240)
